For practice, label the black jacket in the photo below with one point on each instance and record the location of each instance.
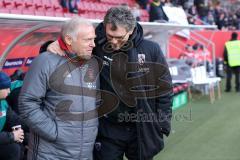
(202, 8)
(157, 13)
(129, 82)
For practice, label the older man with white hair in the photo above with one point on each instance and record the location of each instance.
(53, 98)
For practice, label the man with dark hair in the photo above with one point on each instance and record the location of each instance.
(124, 131)
(232, 61)
(134, 70)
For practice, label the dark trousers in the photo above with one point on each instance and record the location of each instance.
(10, 151)
(236, 71)
(116, 140)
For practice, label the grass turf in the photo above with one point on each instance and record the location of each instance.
(205, 131)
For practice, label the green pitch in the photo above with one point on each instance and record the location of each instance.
(204, 131)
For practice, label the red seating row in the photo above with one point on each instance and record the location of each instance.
(89, 9)
(118, 2)
(90, 14)
(93, 6)
(93, 15)
(85, 7)
(36, 12)
(44, 5)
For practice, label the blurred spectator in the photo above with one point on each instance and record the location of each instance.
(70, 5)
(192, 10)
(191, 20)
(199, 12)
(202, 9)
(188, 53)
(192, 14)
(168, 3)
(17, 75)
(203, 54)
(188, 4)
(183, 3)
(156, 11)
(210, 19)
(196, 55)
(232, 22)
(232, 62)
(143, 3)
(136, 12)
(222, 21)
(124, 5)
(9, 138)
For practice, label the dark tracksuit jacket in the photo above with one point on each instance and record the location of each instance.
(52, 102)
(121, 78)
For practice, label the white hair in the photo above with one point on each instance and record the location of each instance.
(73, 26)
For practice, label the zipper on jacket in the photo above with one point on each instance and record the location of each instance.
(139, 140)
(81, 83)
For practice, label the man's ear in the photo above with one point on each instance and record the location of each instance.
(68, 40)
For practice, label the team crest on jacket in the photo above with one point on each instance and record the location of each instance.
(141, 59)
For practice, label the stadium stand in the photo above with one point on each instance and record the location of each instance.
(89, 9)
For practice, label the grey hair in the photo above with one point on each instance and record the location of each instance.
(73, 26)
(120, 16)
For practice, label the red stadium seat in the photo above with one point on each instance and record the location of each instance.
(81, 7)
(50, 14)
(18, 3)
(91, 15)
(144, 13)
(59, 14)
(89, 6)
(16, 11)
(28, 3)
(47, 5)
(8, 4)
(28, 12)
(1, 4)
(83, 15)
(4, 10)
(69, 15)
(56, 6)
(38, 4)
(39, 13)
(93, 9)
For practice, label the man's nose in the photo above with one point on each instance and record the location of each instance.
(92, 44)
(114, 41)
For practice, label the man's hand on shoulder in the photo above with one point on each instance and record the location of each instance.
(55, 48)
